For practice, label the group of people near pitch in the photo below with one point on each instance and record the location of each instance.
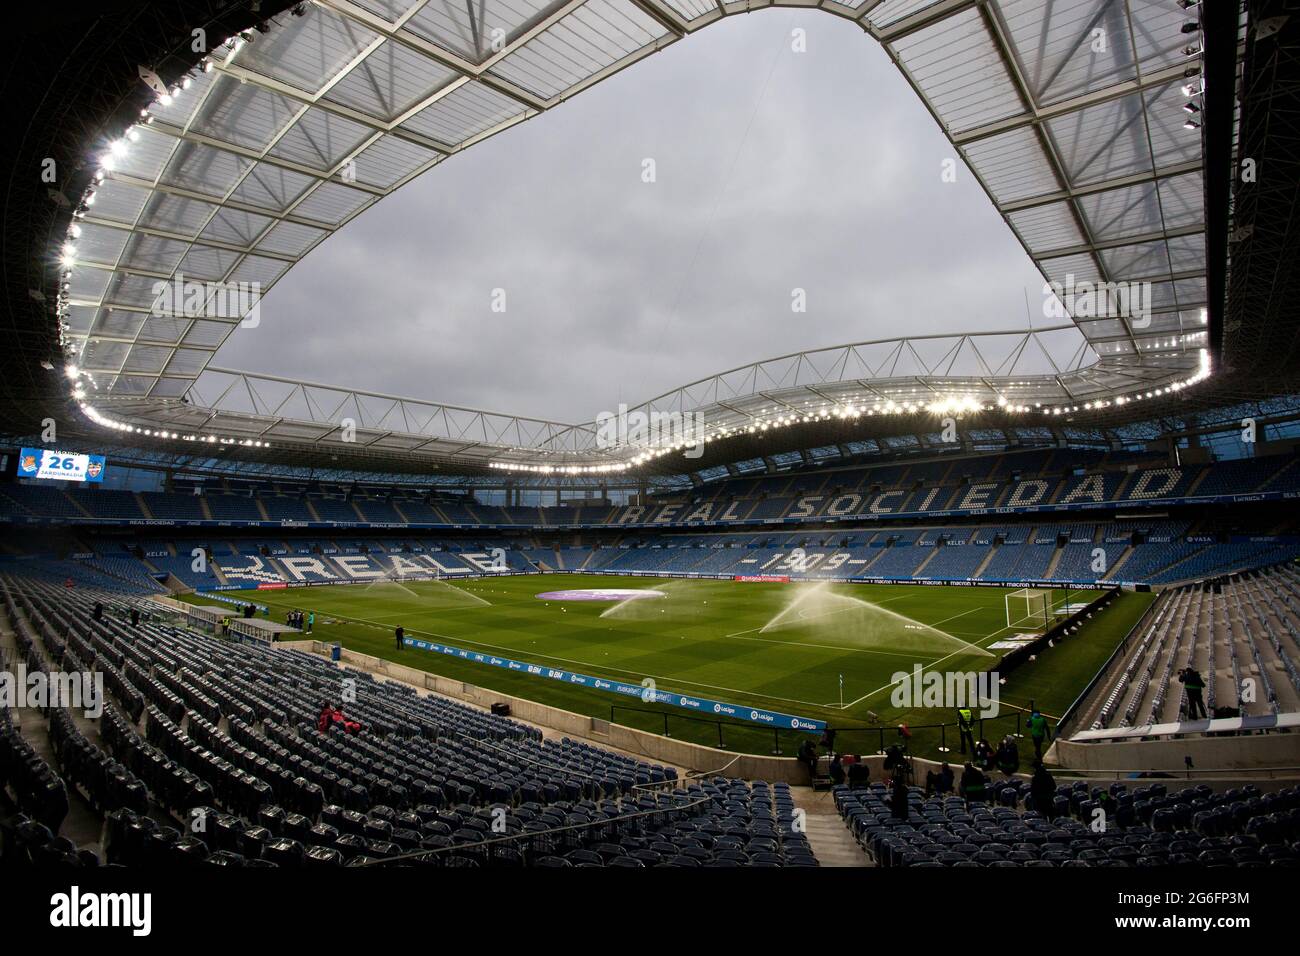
(1006, 758)
(984, 758)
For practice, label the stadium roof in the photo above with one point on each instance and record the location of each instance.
(1071, 114)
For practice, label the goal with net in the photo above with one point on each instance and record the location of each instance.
(1029, 609)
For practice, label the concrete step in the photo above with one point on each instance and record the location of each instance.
(831, 841)
(83, 825)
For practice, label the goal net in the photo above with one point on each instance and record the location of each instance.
(1029, 608)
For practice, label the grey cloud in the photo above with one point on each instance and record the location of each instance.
(617, 289)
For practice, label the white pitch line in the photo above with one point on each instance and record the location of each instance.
(936, 624)
(925, 667)
(829, 647)
(851, 650)
(824, 614)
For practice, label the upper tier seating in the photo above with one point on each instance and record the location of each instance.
(971, 484)
(233, 508)
(1248, 631)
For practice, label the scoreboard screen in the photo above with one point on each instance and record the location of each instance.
(59, 465)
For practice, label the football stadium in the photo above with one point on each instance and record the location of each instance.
(346, 567)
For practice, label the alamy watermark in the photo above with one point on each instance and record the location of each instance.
(80, 690)
(976, 690)
(194, 299)
(76, 909)
(652, 430)
(1086, 299)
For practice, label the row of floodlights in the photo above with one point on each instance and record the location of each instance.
(117, 151)
(100, 419)
(950, 406)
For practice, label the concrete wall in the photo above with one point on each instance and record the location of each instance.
(310, 646)
(1207, 753)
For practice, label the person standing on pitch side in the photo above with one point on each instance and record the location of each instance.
(966, 728)
(1039, 731)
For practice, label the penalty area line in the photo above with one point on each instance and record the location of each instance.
(930, 666)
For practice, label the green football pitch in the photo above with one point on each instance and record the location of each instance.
(826, 651)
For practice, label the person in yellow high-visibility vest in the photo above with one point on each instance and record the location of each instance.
(966, 728)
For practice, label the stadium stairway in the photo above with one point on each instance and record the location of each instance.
(82, 825)
(1051, 565)
(831, 841)
(1196, 482)
(1119, 562)
(1124, 484)
(920, 570)
(109, 572)
(78, 505)
(1189, 561)
(993, 549)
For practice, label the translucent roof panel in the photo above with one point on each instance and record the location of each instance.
(237, 227)
(313, 54)
(269, 186)
(210, 172)
(1070, 48)
(389, 81)
(1068, 112)
(390, 160)
(102, 244)
(463, 113)
(1013, 165)
(320, 139)
(242, 114)
(291, 238)
(957, 65)
(331, 204)
(208, 263)
(692, 9)
(147, 156)
(457, 26)
(891, 11)
(1126, 211)
(1043, 228)
(180, 215)
(596, 35)
(117, 201)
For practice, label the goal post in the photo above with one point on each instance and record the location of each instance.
(1029, 608)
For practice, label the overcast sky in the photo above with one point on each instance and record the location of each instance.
(775, 170)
